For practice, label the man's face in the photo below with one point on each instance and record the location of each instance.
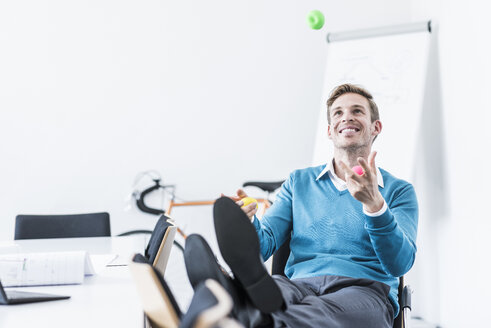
(351, 126)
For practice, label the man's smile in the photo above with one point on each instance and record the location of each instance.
(349, 130)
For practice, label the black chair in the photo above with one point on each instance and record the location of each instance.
(401, 321)
(62, 226)
(160, 244)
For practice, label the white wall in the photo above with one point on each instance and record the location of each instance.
(208, 93)
(214, 93)
(92, 92)
(458, 235)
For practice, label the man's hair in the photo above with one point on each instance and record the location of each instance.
(351, 88)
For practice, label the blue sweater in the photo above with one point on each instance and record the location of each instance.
(332, 236)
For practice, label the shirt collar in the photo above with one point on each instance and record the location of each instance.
(340, 184)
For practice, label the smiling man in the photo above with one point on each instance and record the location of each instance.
(352, 235)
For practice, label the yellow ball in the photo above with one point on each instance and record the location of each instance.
(248, 200)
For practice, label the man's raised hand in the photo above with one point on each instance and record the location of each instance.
(364, 187)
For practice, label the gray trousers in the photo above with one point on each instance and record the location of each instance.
(333, 301)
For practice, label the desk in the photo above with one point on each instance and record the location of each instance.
(108, 299)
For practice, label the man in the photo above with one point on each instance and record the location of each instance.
(352, 235)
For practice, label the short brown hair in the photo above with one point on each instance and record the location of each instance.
(352, 88)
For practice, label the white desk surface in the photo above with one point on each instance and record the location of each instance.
(108, 299)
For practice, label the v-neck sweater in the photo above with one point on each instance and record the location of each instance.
(331, 235)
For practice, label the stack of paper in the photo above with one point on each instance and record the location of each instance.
(57, 268)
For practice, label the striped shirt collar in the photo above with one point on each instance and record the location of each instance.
(340, 184)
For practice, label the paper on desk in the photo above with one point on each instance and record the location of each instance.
(37, 269)
(120, 260)
(100, 261)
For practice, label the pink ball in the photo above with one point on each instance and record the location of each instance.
(358, 169)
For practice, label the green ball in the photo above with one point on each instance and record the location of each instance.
(315, 19)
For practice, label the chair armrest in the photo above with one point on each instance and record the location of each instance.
(406, 298)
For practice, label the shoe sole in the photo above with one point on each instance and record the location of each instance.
(200, 262)
(239, 245)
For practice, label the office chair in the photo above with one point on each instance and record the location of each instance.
(403, 318)
(281, 256)
(62, 226)
(160, 243)
(209, 306)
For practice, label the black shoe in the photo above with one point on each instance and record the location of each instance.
(201, 265)
(239, 245)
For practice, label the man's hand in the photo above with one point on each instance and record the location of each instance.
(250, 209)
(364, 187)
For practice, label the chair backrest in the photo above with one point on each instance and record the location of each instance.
(160, 243)
(280, 258)
(157, 300)
(62, 226)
